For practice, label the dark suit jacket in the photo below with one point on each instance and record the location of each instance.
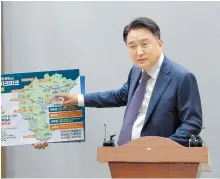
(174, 110)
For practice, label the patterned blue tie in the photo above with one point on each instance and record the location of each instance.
(133, 110)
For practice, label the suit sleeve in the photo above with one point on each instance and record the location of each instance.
(189, 110)
(112, 98)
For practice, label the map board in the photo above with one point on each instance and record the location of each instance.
(30, 112)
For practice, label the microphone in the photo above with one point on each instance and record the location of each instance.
(195, 141)
(105, 133)
(111, 142)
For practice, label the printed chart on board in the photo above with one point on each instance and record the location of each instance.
(30, 111)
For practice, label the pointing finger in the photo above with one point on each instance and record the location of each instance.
(62, 95)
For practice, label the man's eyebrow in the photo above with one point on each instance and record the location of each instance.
(131, 42)
(145, 39)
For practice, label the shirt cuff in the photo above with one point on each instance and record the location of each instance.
(80, 100)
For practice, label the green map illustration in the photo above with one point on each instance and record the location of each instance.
(35, 98)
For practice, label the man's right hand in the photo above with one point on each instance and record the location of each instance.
(69, 99)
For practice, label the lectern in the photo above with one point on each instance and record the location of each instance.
(154, 157)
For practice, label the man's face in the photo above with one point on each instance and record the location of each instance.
(144, 48)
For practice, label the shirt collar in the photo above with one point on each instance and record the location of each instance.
(155, 70)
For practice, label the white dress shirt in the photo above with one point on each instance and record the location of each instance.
(153, 73)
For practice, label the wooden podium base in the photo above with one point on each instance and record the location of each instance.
(154, 157)
(153, 170)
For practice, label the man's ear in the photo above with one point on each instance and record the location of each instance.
(160, 43)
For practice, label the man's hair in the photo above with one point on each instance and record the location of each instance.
(142, 22)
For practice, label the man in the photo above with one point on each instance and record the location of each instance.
(162, 97)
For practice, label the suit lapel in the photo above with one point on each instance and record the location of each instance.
(161, 84)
